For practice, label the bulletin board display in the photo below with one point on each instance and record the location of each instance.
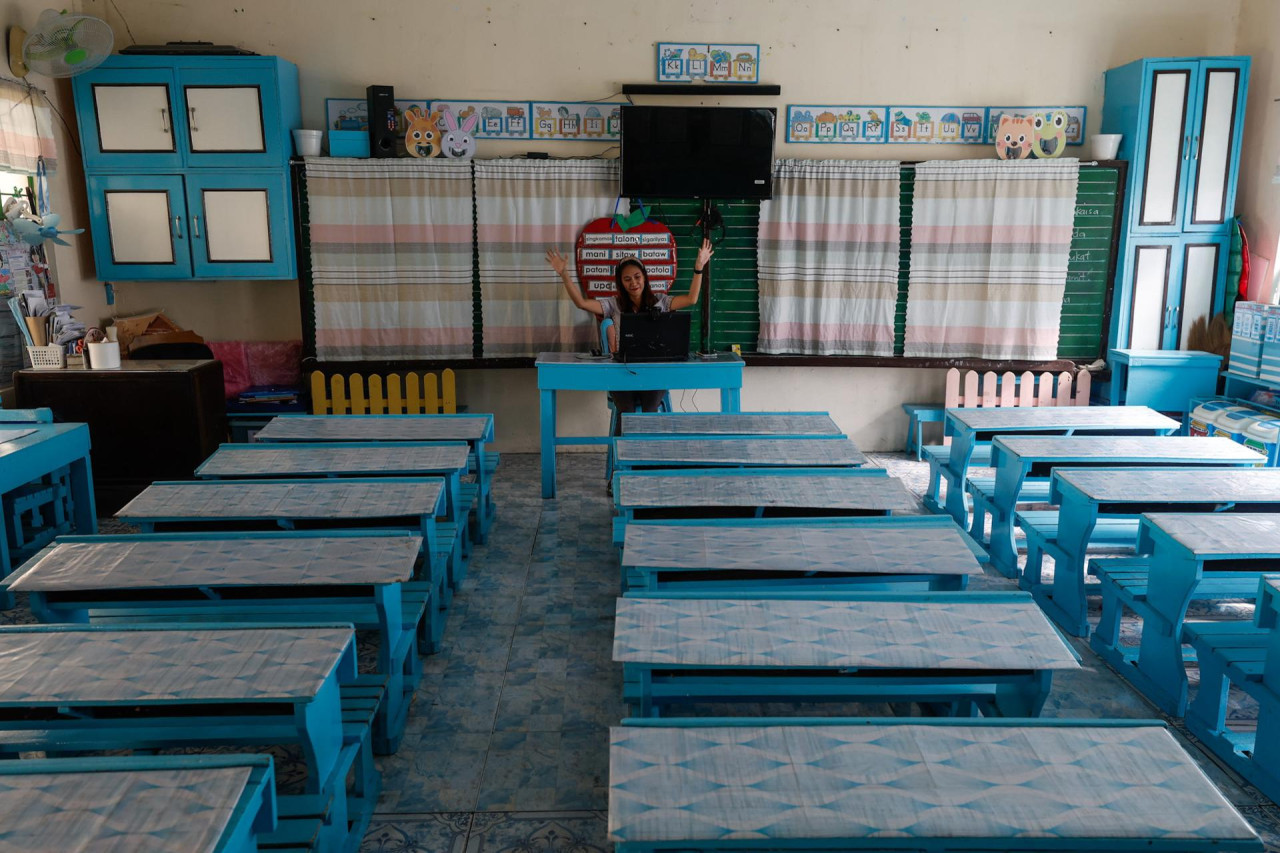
(593, 121)
(845, 124)
(353, 113)
(686, 62)
(498, 119)
(602, 245)
(565, 121)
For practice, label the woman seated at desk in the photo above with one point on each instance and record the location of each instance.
(634, 296)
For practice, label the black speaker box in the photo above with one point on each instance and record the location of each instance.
(382, 121)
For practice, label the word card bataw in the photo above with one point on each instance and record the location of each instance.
(602, 245)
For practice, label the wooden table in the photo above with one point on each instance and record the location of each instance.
(567, 371)
(1016, 458)
(716, 555)
(677, 452)
(475, 430)
(938, 785)
(955, 653)
(276, 578)
(1182, 551)
(125, 804)
(1087, 494)
(970, 427)
(403, 503)
(787, 424)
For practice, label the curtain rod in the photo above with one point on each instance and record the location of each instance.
(913, 165)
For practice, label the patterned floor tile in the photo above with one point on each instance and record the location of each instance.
(539, 832)
(426, 833)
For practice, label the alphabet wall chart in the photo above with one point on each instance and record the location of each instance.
(570, 121)
(591, 121)
(844, 124)
(685, 62)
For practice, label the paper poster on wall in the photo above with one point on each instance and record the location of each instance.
(583, 121)
(1074, 123)
(498, 119)
(937, 125)
(602, 245)
(353, 113)
(685, 62)
(838, 125)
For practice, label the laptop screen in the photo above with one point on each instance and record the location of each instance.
(653, 336)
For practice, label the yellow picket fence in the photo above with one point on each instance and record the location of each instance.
(417, 395)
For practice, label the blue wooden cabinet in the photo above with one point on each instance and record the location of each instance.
(187, 166)
(1182, 121)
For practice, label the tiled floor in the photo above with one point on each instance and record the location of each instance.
(506, 748)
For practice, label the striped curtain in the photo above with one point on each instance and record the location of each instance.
(524, 207)
(828, 258)
(26, 129)
(391, 258)
(990, 241)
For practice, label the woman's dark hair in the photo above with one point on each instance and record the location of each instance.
(648, 301)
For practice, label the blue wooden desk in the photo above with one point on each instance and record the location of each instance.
(718, 555)
(404, 503)
(36, 452)
(970, 428)
(158, 804)
(476, 430)
(834, 451)
(1086, 495)
(567, 371)
(956, 653)
(1182, 551)
(943, 786)
(278, 578)
(1016, 458)
(1162, 379)
(790, 424)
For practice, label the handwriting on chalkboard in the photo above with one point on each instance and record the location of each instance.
(1088, 211)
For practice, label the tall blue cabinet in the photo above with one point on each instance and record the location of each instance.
(186, 162)
(1182, 121)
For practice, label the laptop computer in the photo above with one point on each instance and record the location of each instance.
(653, 336)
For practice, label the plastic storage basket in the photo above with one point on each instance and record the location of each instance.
(47, 358)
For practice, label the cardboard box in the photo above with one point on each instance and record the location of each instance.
(155, 327)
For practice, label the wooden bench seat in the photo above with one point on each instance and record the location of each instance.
(938, 456)
(1041, 529)
(981, 492)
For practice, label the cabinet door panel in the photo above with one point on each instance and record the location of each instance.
(1202, 267)
(140, 227)
(1148, 311)
(241, 225)
(1166, 148)
(127, 119)
(1212, 147)
(224, 118)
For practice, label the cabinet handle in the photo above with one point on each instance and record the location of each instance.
(1186, 147)
(191, 111)
(177, 224)
(195, 227)
(164, 119)
(1195, 147)
(1168, 316)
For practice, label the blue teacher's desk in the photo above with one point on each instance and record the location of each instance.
(567, 371)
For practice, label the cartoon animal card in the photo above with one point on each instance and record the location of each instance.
(935, 125)
(687, 62)
(497, 119)
(353, 113)
(1065, 122)
(579, 121)
(841, 125)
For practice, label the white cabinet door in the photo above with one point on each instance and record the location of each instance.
(133, 118)
(1167, 147)
(1202, 269)
(1213, 145)
(241, 224)
(140, 227)
(1148, 308)
(225, 119)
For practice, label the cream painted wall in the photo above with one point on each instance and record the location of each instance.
(922, 51)
(1258, 200)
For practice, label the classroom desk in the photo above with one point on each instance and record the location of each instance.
(707, 452)
(1086, 494)
(1181, 550)
(944, 785)
(277, 578)
(791, 424)
(475, 430)
(567, 371)
(146, 687)
(402, 503)
(124, 804)
(1016, 458)
(716, 555)
(958, 653)
(32, 451)
(969, 427)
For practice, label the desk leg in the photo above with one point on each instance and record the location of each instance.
(1004, 553)
(958, 466)
(730, 399)
(547, 414)
(86, 512)
(1066, 603)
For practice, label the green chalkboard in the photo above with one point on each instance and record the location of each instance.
(735, 314)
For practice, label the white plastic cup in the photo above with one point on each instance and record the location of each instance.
(307, 142)
(104, 355)
(1105, 145)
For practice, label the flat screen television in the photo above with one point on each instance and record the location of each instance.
(697, 152)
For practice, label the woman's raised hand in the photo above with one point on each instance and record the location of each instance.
(704, 254)
(557, 261)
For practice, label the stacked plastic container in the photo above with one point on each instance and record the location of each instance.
(1269, 361)
(1247, 332)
